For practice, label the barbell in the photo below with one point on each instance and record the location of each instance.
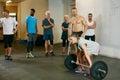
(98, 70)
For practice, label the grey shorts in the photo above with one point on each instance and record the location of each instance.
(31, 37)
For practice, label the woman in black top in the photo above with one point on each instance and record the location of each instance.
(64, 36)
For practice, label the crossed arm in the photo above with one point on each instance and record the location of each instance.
(51, 25)
(93, 26)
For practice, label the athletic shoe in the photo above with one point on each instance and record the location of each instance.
(27, 55)
(10, 58)
(79, 71)
(52, 53)
(46, 54)
(6, 57)
(31, 55)
(86, 74)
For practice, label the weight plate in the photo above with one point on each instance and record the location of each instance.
(99, 70)
(67, 62)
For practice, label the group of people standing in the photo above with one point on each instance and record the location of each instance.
(77, 25)
(10, 27)
(32, 31)
(82, 35)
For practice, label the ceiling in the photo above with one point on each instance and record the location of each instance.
(13, 1)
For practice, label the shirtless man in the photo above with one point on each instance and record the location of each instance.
(78, 27)
(78, 23)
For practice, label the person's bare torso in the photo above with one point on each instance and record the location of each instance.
(77, 24)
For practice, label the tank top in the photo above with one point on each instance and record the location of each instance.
(90, 32)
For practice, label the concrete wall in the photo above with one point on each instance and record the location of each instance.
(57, 13)
(106, 13)
(24, 10)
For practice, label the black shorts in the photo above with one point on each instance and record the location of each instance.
(77, 34)
(8, 40)
(90, 37)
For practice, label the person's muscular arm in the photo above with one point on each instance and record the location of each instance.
(85, 26)
(70, 28)
(27, 28)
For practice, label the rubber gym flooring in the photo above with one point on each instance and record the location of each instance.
(46, 68)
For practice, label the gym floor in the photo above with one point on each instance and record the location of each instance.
(46, 68)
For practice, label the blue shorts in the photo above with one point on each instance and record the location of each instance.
(31, 37)
(48, 37)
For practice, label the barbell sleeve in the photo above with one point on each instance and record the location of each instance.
(102, 70)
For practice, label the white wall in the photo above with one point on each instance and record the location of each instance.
(106, 13)
(57, 13)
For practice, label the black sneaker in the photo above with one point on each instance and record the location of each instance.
(46, 54)
(52, 53)
(6, 57)
(10, 58)
(87, 74)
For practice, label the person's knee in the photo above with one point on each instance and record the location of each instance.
(46, 41)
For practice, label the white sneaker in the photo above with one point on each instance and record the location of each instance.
(31, 55)
(27, 55)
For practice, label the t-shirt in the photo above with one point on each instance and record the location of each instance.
(65, 25)
(45, 22)
(92, 47)
(8, 25)
(32, 22)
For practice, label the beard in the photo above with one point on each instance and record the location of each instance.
(32, 14)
